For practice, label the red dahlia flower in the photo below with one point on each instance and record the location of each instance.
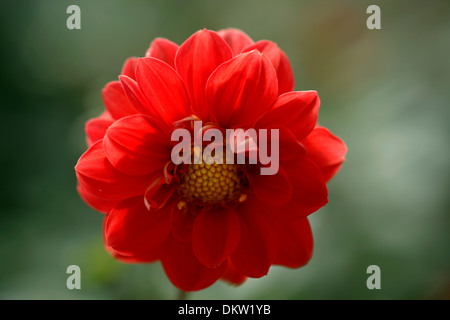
(207, 222)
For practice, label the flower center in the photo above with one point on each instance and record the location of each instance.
(212, 183)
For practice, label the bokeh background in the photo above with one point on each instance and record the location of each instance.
(384, 92)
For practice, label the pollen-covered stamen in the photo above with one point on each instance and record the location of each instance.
(212, 183)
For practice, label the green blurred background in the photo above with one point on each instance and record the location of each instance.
(385, 92)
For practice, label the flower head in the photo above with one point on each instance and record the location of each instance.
(208, 220)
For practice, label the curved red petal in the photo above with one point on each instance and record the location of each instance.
(286, 145)
(97, 203)
(106, 116)
(145, 257)
(289, 147)
(184, 270)
(215, 235)
(136, 97)
(158, 193)
(297, 111)
(236, 39)
(232, 276)
(295, 243)
(196, 59)
(96, 128)
(131, 229)
(275, 190)
(258, 244)
(309, 189)
(164, 50)
(242, 89)
(116, 101)
(330, 170)
(137, 145)
(182, 223)
(97, 176)
(280, 62)
(163, 88)
(129, 68)
(326, 150)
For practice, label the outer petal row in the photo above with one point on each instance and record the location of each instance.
(195, 60)
(116, 101)
(96, 128)
(137, 145)
(258, 243)
(297, 111)
(164, 50)
(326, 150)
(236, 39)
(279, 61)
(240, 42)
(242, 89)
(158, 91)
(163, 89)
(98, 176)
(184, 269)
(215, 235)
(95, 202)
(131, 229)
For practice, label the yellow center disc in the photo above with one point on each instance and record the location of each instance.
(211, 183)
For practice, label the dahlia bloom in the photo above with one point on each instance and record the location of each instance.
(203, 221)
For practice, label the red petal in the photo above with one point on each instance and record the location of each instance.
(96, 129)
(129, 68)
(106, 116)
(295, 243)
(236, 39)
(98, 177)
(136, 97)
(242, 89)
(309, 189)
(182, 224)
(116, 101)
(164, 50)
(329, 171)
(158, 193)
(296, 111)
(145, 257)
(326, 150)
(184, 270)
(280, 62)
(258, 243)
(215, 235)
(163, 88)
(275, 190)
(289, 147)
(196, 59)
(136, 145)
(97, 203)
(131, 229)
(232, 276)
